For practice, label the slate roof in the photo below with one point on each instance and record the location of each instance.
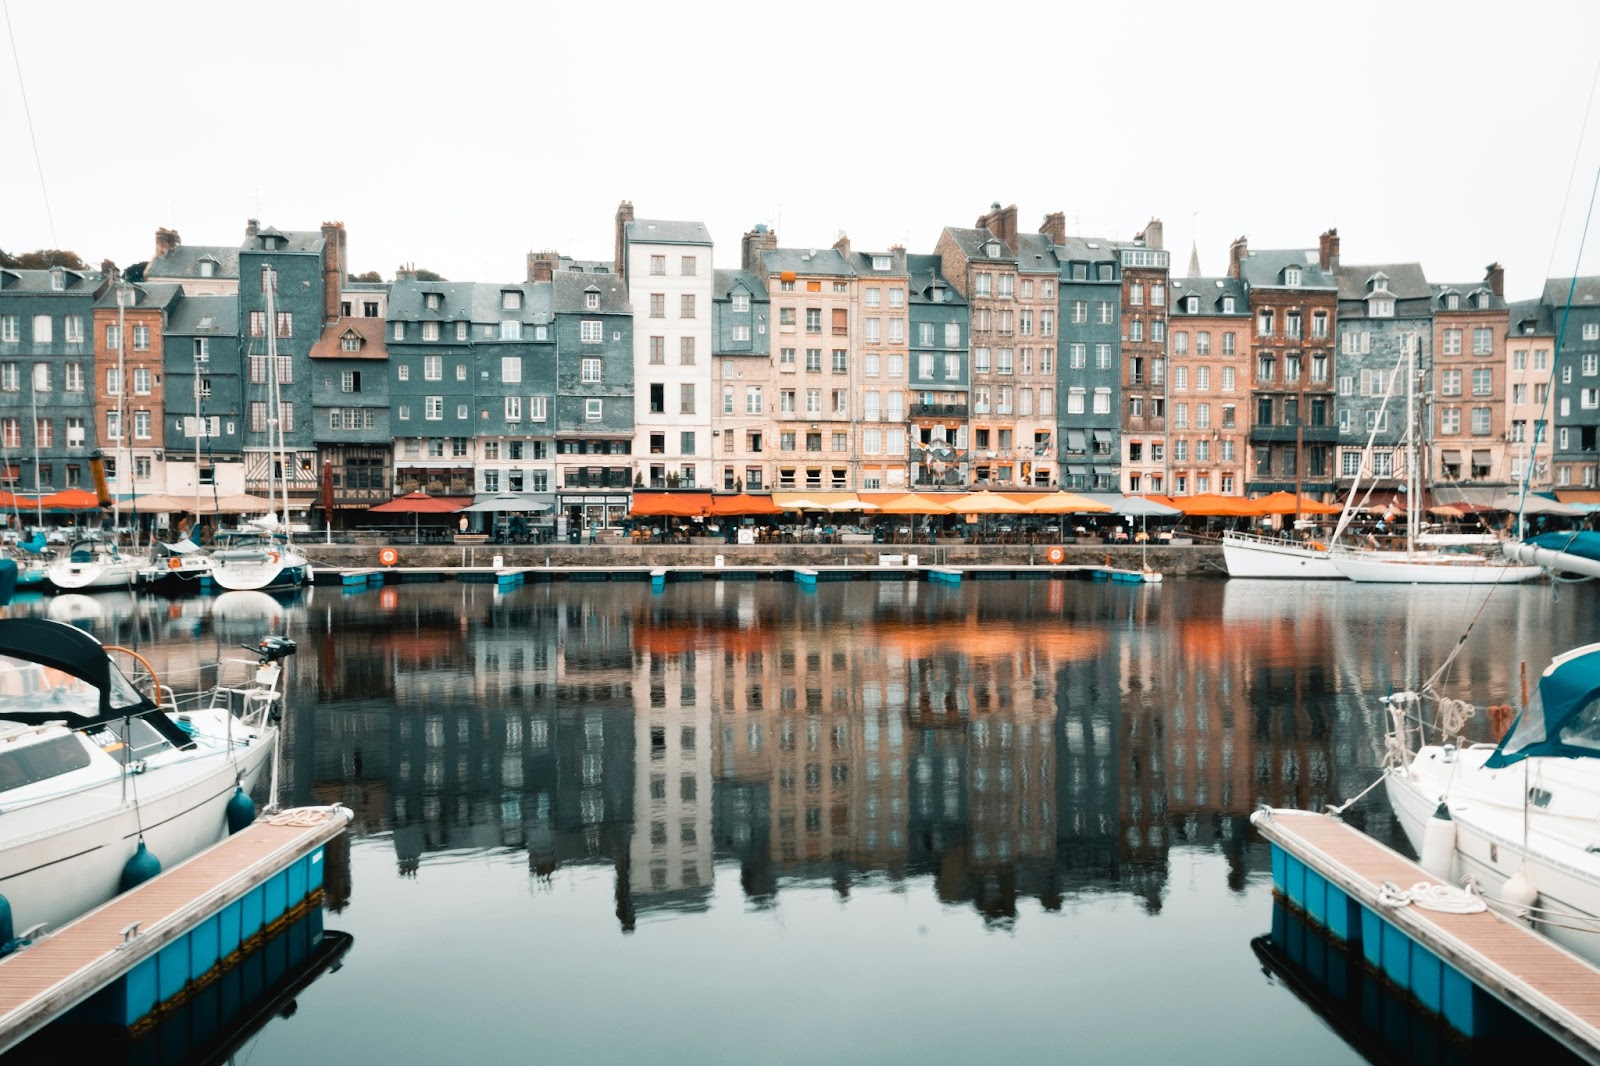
(406, 301)
(184, 262)
(371, 331)
(924, 271)
(1585, 294)
(824, 261)
(972, 242)
(862, 262)
(14, 280)
(1264, 269)
(1036, 254)
(294, 241)
(1211, 291)
(1534, 312)
(160, 294)
(723, 282)
(1087, 249)
(664, 231)
(1466, 290)
(1406, 280)
(570, 287)
(205, 316)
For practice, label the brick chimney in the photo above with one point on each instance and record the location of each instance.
(405, 272)
(624, 216)
(166, 241)
(1055, 227)
(1328, 250)
(1002, 222)
(761, 239)
(108, 270)
(1152, 234)
(1495, 277)
(542, 266)
(251, 228)
(842, 245)
(334, 258)
(1236, 255)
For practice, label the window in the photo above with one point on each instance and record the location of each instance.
(513, 408)
(44, 434)
(1482, 341)
(1106, 315)
(1102, 357)
(1319, 325)
(41, 377)
(1480, 421)
(686, 398)
(141, 425)
(114, 382)
(42, 330)
(1291, 324)
(430, 331)
(510, 300)
(1264, 323)
(285, 324)
(590, 370)
(686, 305)
(433, 408)
(814, 360)
(1102, 401)
(511, 330)
(1080, 311)
(141, 379)
(593, 410)
(590, 331)
(1136, 330)
(786, 401)
(1075, 401)
(114, 424)
(74, 377)
(980, 360)
(1452, 342)
(399, 332)
(813, 401)
(1483, 382)
(1591, 365)
(1591, 331)
(538, 411)
(686, 351)
(1449, 383)
(433, 368)
(1076, 356)
(74, 331)
(402, 372)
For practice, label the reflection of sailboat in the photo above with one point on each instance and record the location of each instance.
(1412, 567)
(73, 608)
(256, 610)
(1525, 833)
(262, 557)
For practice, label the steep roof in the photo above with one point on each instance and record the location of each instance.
(665, 231)
(973, 241)
(76, 281)
(1264, 269)
(1531, 313)
(823, 261)
(205, 316)
(1585, 294)
(291, 241)
(147, 296)
(1405, 280)
(368, 331)
(183, 261)
(724, 282)
(924, 274)
(1210, 291)
(1466, 290)
(571, 286)
(1087, 249)
(1036, 254)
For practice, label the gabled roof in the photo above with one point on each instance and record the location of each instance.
(1584, 295)
(862, 262)
(369, 333)
(291, 241)
(146, 296)
(13, 279)
(183, 261)
(726, 282)
(1468, 293)
(1211, 292)
(664, 231)
(569, 288)
(974, 242)
(1405, 281)
(829, 262)
(205, 316)
(408, 300)
(1264, 269)
(1036, 254)
(924, 276)
(1087, 250)
(1531, 313)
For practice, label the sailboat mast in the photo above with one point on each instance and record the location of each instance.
(38, 496)
(122, 391)
(275, 425)
(1414, 497)
(199, 425)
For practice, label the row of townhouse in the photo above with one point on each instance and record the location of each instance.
(1000, 358)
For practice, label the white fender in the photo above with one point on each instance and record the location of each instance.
(1439, 844)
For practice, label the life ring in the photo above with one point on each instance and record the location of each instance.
(1055, 554)
(388, 557)
(272, 557)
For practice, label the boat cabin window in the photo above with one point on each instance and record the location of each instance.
(29, 763)
(27, 687)
(1582, 730)
(138, 735)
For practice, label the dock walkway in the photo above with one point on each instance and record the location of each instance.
(1334, 873)
(240, 886)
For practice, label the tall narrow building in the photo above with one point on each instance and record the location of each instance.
(1470, 386)
(1209, 386)
(1144, 361)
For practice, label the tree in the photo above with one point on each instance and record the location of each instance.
(43, 259)
(371, 275)
(135, 272)
(428, 275)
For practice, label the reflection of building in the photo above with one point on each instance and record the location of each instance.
(670, 848)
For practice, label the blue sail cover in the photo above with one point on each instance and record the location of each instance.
(1563, 718)
(1581, 543)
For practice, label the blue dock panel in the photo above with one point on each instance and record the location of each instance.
(229, 936)
(1461, 1003)
(1316, 898)
(172, 969)
(1371, 937)
(1426, 977)
(205, 945)
(1396, 961)
(276, 896)
(316, 868)
(251, 907)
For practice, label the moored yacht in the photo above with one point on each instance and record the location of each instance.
(1252, 555)
(93, 564)
(256, 560)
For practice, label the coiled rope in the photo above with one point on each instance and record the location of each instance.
(1452, 715)
(1430, 896)
(301, 817)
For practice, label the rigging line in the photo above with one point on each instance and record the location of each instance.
(1572, 174)
(38, 163)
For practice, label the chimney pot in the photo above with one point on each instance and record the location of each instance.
(1495, 276)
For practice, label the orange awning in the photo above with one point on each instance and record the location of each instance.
(1212, 505)
(911, 503)
(670, 504)
(1284, 503)
(421, 503)
(71, 500)
(743, 504)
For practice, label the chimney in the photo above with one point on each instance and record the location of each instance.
(1152, 234)
(542, 266)
(1236, 255)
(108, 270)
(758, 240)
(405, 272)
(1495, 277)
(166, 241)
(624, 216)
(251, 228)
(1055, 227)
(1328, 250)
(842, 245)
(1002, 222)
(334, 256)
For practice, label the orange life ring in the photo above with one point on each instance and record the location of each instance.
(1055, 554)
(388, 557)
(272, 557)
(174, 563)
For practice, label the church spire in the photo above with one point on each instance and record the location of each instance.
(1194, 260)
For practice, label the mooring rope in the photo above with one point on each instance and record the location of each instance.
(1430, 896)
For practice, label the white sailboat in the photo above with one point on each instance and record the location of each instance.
(1419, 567)
(261, 556)
(1521, 820)
(93, 771)
(91, 565)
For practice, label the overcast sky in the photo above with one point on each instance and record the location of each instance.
(460, 135)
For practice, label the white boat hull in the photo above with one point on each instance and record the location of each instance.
(1468, 570)
(1261, 558)
(59, 873)
(1486, 808)
(75, 577)
(279, 570)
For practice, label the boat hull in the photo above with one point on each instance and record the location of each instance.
(57, 875)
(76, 577)
(1465, 571)
(1563, 562)
(288, 571)
(1251, 558)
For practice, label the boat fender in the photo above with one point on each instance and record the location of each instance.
(1439, 844)
(241, 811)
(141, 867)
(1520, 894)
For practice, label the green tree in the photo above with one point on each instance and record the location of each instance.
(428, 275)
(43, 259)
(135, 272)
(371, 275)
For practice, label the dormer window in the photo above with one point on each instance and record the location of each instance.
(741, 302)
(591, 300)
(1380, 307)
(1227, 305)
(350, 342)
(992, 250)
(1291, 276)
(1482, 300)
(58, 279)
(208, 268)
(1452, 302)
(1191, 305)
(432, 301)
(1378, 282)
(881, 262)
(511, 300)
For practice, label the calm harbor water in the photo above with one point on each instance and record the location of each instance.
(878, 822)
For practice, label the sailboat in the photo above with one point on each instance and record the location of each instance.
(1422, 567)
(1518, 818)
(260, 555)
(94, 562)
